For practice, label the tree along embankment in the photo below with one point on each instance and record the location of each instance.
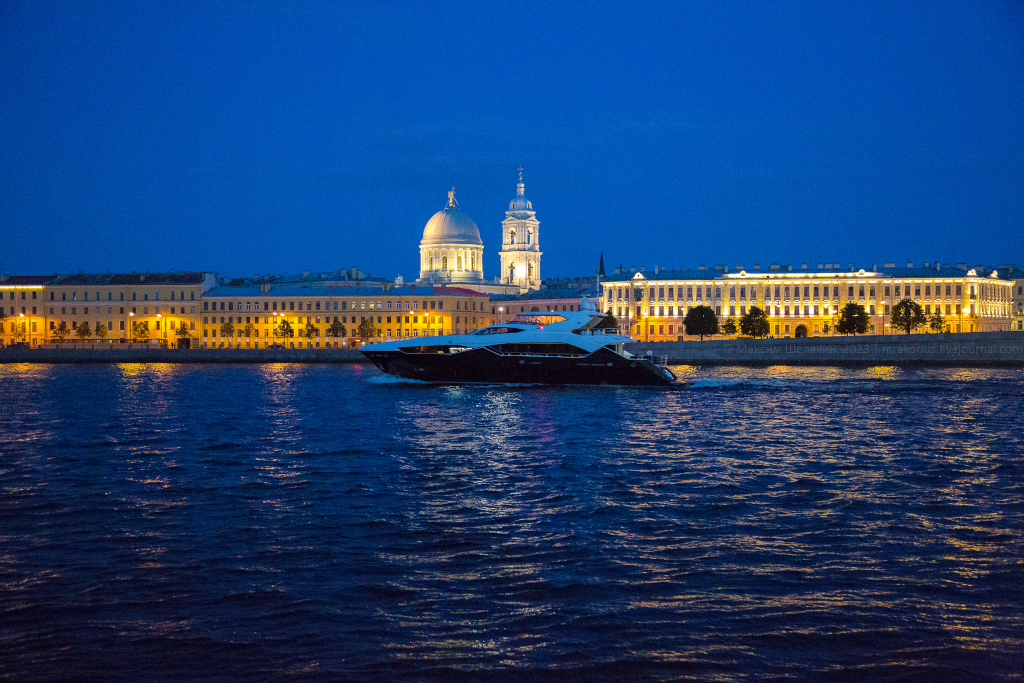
(108, 354)
(977, 349)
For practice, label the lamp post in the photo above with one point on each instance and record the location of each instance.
(163, 332)
(131, 327)
(273, 330)
(501, 315)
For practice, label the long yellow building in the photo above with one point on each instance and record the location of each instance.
(651, 305)
(163, 302)
(251, 316)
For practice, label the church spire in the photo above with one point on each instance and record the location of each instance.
(600, 267)
(520, 188)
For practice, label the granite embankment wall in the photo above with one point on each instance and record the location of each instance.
(112, 354)
(978, 349)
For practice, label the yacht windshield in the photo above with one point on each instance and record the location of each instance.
(535, 319)
(498, 330)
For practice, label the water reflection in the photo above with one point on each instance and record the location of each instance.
(757, 522)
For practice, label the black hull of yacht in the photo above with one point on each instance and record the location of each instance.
(482, 366)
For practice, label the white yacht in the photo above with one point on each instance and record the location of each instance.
(552, 347)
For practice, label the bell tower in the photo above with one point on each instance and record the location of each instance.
(520, 242)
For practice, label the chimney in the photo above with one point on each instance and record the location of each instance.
(702, 267)
(937, 266)
(757, 267)
(874, 266)
(821, 266)
(851, 267)
(910, 264)
(655, 269)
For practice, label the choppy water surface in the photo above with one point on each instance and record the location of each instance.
(320, 522)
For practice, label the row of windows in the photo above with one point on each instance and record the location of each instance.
(237, 320)
(432, 304)
(110, 296)
(794, 292)
(175, 310)
(950, 309)
(121, 324)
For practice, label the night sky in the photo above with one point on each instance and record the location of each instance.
(258, 137)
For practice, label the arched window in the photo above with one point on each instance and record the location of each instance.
(512, 236)
(431, 259)
(460, 263)
(444, 263)
(511, 272)
(529, 237)
(530, 271)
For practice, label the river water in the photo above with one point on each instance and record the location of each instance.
(316, 522)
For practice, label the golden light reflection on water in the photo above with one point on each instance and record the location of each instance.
(882, 372)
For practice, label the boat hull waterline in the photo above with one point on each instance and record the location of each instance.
(483, 366)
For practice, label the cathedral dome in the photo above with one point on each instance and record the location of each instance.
(451, 226)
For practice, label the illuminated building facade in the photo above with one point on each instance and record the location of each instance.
(397, 312)
(1018, 304)
(520, 242)
(163, 301)
(800, 304)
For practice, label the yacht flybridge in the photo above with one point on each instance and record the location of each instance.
(552, 347)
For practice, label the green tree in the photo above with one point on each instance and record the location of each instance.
(249, 330)
(907, 315)
(367, 329)
(19, 330)
(853, 319)
(337, 329)
(755, 323)
(309, 331)
(227, 329)
(101, 331)
(826, 327)
(729, 327)
(701, 321)
(608, 322)
(284, 329)
(140, 331)
(83, 331)
(60, 332)
(937, 322)
(182, 331)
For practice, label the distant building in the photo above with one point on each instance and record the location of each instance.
(452, 253)
(163, 302)
(568, 297)
(650, 305)
(255, 313)
(520, 242)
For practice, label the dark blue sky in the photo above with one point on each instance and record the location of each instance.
(268, 137)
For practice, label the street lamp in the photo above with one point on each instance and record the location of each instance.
(131, 327)
(501, 315)
(162, 331)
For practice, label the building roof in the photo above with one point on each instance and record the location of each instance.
(548, 294)
(944, 271)
(280, 292)
(351, 277)
(15, 280)
(91, 279)
(451, 226)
